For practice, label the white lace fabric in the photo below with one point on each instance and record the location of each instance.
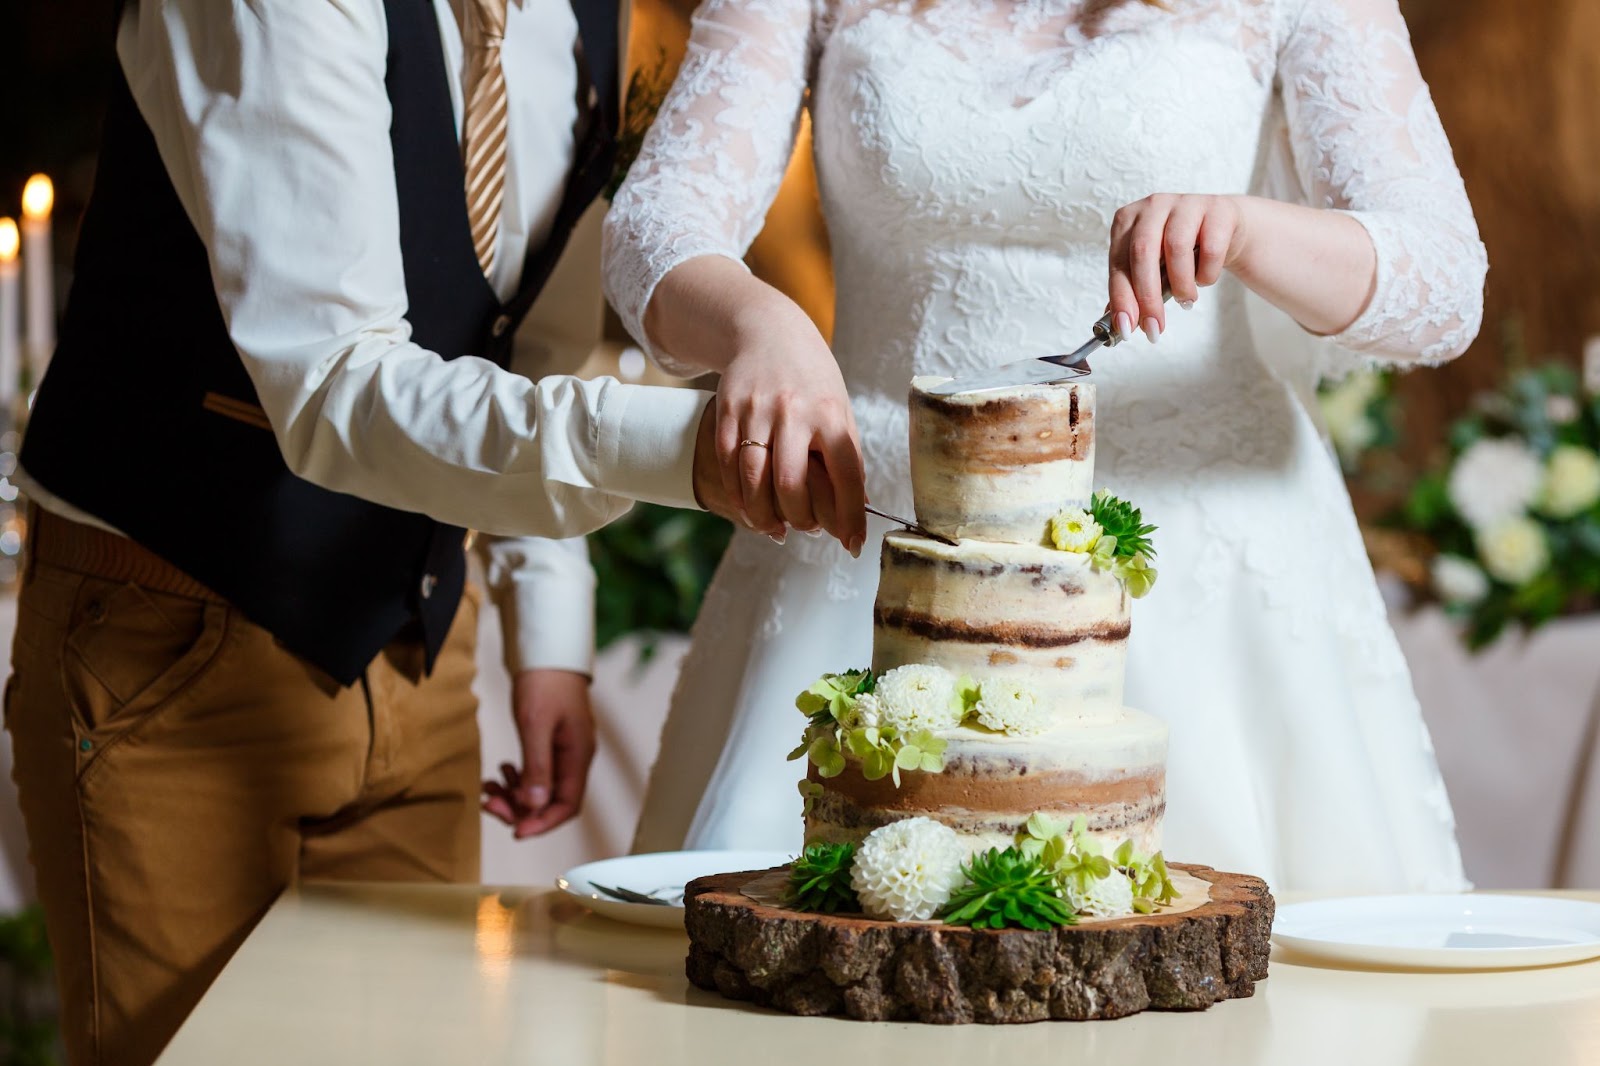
(1366, 137)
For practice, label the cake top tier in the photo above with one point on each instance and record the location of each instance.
(997, 465)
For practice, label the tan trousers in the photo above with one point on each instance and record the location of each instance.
(177, 769)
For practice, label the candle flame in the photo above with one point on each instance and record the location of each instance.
(8, 240)
(37, 197)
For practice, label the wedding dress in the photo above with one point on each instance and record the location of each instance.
(971, 155)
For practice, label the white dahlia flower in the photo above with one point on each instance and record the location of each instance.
(1458, 581)
(1074, 530)
(918, 696)
(1514, 550)
(866, 714)
(1012, 707)
(908, 870)
(1571, 481)
(1494, 479)
(1106, 897)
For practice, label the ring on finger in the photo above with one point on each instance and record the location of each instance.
(754, 444)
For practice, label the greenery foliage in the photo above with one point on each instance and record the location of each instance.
(819, 880)
(1008, 889)
(835, 726)
(653, 566)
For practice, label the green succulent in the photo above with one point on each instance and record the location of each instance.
(1008, 889)
(1122, 522)
(819, 880)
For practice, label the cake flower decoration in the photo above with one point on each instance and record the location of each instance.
(887, 732)
(1011, 706)
(908, 870)
(1115, 536)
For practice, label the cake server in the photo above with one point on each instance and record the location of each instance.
(911, 526)
(1044, 370)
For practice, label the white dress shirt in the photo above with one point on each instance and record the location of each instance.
(273, 123)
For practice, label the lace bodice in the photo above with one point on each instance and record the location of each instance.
(971, 155)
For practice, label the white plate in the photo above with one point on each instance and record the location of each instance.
(663, 874)
(1443, 932)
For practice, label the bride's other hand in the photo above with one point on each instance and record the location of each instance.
(781, 403)
(1317, 265)
(1195, 237)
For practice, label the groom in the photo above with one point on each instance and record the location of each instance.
(278, 403)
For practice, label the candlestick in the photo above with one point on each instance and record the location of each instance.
(10, 312)
(37, 277)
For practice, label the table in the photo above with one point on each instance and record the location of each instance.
(396, 975)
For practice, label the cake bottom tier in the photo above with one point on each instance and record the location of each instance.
(1112, 773)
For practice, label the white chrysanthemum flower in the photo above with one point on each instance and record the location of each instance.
(1013, 707)
(866, 715)
(1106, 897)
(1514, 550)
(1494, 479)
(1458, 581)
(918, 696)
(1074, 530)
(1571, 481)
(908, 870)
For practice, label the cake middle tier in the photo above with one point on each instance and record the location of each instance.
(1112, 774)
(1010, 611)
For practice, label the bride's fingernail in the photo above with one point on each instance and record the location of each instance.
(776, 539)
(1187, 305)
(812, 533)
(1152, 329)
(1124, 325)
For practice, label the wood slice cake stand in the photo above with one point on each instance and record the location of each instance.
(914, 971)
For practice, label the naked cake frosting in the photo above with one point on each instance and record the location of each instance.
(989, 738)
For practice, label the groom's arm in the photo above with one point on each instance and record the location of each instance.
(273, 123)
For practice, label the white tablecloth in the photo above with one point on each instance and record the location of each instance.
(1515, 730)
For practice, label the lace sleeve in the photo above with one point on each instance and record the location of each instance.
(1367, 140)
(712, 162)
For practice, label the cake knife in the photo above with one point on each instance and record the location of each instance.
(912, 526)
(1044, 370)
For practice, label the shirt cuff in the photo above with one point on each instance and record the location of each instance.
(544, 590)
(645, 443)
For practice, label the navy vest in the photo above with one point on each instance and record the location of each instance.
(148, 420)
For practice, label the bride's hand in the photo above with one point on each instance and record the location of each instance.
(1195, 237)
(782, 401)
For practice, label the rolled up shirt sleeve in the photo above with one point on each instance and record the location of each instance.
(273, 123)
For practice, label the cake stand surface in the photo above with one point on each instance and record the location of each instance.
(929, 972)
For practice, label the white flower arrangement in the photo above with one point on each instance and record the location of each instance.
(1571, 482)
(908, 870)
(1496, 478)
(1011, 706)
(1514, 550)
(917, 697)
(1459, 581)
(1347, 410)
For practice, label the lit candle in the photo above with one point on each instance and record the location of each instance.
(10, 338)
(38, 285)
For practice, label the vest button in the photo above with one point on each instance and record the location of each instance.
(500, 325)
(428, 583)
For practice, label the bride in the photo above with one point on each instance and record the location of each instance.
(980, 163)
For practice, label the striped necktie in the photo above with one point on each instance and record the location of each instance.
(483, 142)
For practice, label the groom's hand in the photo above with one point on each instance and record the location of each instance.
(556, 729)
